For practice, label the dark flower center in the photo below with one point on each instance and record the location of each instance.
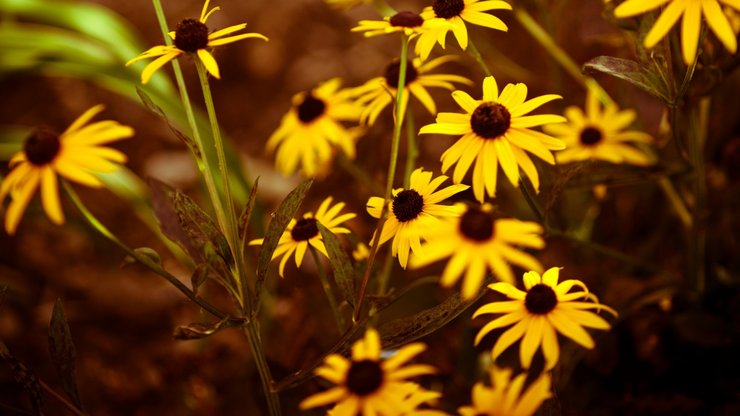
(311, 108)
(407, 205)
(394, 69)
(540, 299)
(590, 136)
(364, 377)
(41, 147)
(476, 224)
(490, 120)
(191, 35)
(406, 19)
(304, 229)
(448, 8)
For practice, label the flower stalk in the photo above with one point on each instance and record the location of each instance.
(327, 289)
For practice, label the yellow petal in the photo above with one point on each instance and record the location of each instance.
(209, 62)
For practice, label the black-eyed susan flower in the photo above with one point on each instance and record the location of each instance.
(312, 130)
(191, 37)
(410, 23)
(539, 313)
(76, 155)
(692, 11)
(598, 134)
(456, 13)
(377, 93)
(496, 131)
(366, 384)
(299, 234)
(505, 396)
(413, 212)
(476, 242)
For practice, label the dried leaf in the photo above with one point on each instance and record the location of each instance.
(199, 277)
(146, 252)
(198, 330)
(340, 264)
(154, 108)
(629, 71)
(63, 352)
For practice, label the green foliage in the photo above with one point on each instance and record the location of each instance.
(344, 274)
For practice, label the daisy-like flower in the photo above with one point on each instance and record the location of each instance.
(496, 131)
(410, 23)
(539, 313)
(76, 155)
(599, 134)
(476, 242)
(377, 93)
(413, 212)
(366, 384)
(692, 11)
(456, 13)
(310, 131)
(505, 397)
(191, 37)
(299, 234)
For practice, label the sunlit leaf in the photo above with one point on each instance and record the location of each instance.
(629, 71)
(198, 330)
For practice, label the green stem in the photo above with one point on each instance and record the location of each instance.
(412, 147)
(99, 227)
(328, 290)
(531, 200)
(383, 8)
(478, 58)
(231, 230)
(255, 343)
(391, 175)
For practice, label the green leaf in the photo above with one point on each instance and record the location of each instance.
(280, 220)
(63, 353)
(246, 214)
(154, 108)
(148, 253)
(199, 277)
(630, 71)
(340, 264)
(199, 330)
(23, 376)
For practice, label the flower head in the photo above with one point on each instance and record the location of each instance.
(410, 23)
(691, 10)
(598, 134)
(456, 13)
(545, 308)
(477, 242)
(505, 397)
(414, 212)
(312, 130)
(299, 234)
(76, 155)
(496, 131)
(377, 93)
(191, 37)
(366, 384)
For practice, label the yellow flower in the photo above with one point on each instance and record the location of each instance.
(476, 242)
(456, 13)
(547, 307)
(76, 155)
(410, 23)
(505, 397)
(313, 126)
(377, 93)
(599, 134)
(299, 234)
(414, 212)
(692, 11)
(495, 131)
(366, 384)
(191, 36)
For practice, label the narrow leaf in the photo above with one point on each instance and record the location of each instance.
(63, 352)
(154, 108)
(280, 220)
(198, 330)
(629, 71)
(340, 264)
(246, 215)
(199, 277)
(23, 376)
(146, 252)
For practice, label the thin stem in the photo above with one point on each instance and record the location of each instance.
(698, 125)
(251, 329)
(531, 200)
(391, 174)
(328, 290)
(603, 250)
(62, 400)
(478, 58)
(412, 147)
(99, 227)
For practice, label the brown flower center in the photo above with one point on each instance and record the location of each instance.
(304, 229)
(540, 299)
(591, 136)
(191, 35)
(41, 147)
(476, 224)
(448, 8)
(406, 19)
(407, 205)
(394, 70)
(490, 120)
(364, 377)
(311, 108)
